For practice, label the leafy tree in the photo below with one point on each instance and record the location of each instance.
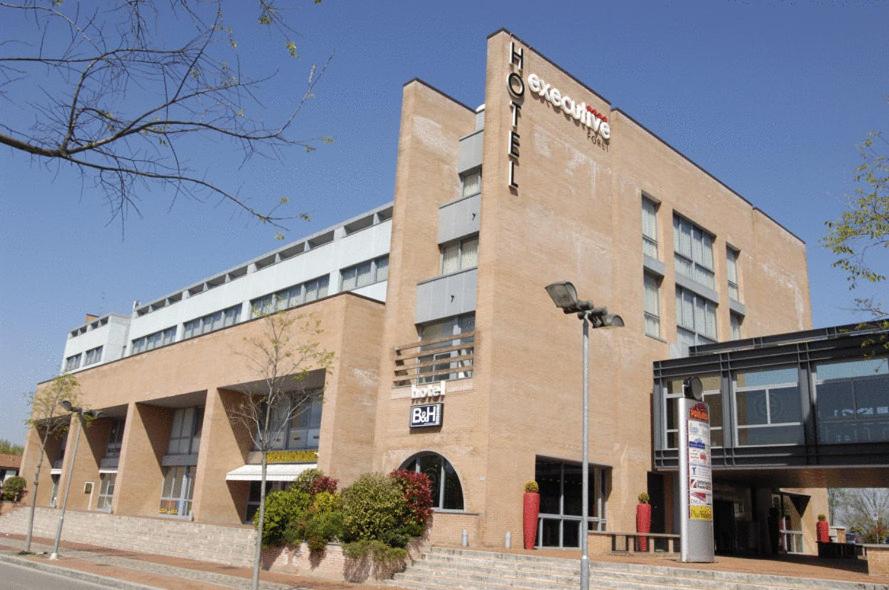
(10, 448)
(113, 91)
(49, 420)
(283, 357)
(866, 512)
(860, 236)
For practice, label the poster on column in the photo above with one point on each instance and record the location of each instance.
(700, 478)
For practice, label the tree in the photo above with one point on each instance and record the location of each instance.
(48, 419)
(860, 237)
(866, 512)
(124, 92)
(284, 357)
(10, 448)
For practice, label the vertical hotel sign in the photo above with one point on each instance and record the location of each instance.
(695, 482)
(516, 86)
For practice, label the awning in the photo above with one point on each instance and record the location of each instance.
(274, 472)
(55, 471)
(107, 470)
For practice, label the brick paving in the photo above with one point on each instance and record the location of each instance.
(165, 572)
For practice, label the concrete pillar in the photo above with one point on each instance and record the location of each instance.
(224, 447)
(33, 450)
(139, 474)
(93, 440)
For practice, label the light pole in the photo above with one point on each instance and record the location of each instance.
(80, 412)
(564, 295)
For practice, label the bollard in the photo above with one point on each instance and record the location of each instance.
(507, 540)
(464, 538)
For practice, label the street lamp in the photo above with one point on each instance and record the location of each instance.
(80, 412)
(564, 295)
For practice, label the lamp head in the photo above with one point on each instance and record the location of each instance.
(66, 404)
(564, 295)
(613, 321)
(693, 388)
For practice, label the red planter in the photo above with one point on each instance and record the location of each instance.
(822, 528)
(643, 524)
(531, 512)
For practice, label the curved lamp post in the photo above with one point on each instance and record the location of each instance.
(564, 295)
(80, 412)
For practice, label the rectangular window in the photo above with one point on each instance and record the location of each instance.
(693, 248)
(161, 338)
(364, 273)
(459, 255)
(732, 271)
(185, 434)
(253, 499)
(649, 227)
(652, 286)
(561, 503)
(72, 362)
(212, 322)
(695, 318)
(296, 421)
(471, 183)
(177, 491)
(768, 410)
(92, 356)
(851, 401)
(712, 395)
(106, 491)
(115, 438)
(450, 349)
(737, 320)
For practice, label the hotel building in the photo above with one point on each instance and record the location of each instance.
(438, 298)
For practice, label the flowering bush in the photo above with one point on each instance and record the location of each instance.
(417, 491)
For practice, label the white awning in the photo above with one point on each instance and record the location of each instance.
(55, 471)
(107, 469)
(274, 472)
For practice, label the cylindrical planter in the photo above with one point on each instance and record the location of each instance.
(822, 527)
(531, 512)
(643, 524)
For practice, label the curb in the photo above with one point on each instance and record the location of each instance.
(64, 572)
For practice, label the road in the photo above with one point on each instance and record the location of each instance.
(14, 577)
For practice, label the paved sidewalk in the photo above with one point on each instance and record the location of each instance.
(139, 570)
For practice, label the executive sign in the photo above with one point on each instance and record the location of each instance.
(426, 415)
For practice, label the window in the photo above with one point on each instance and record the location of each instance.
(732, 256)
(693, 248)
(649, 227)
(211, 322)
(767, 407)
(72, 362)
(92, 356)
(253, 498)
(561, 484)
(447, 358)
(106, 491)
(161, 338)
(177, 491)
(852, 405)
(447, 493)
(303, 429)
(737, 320)
(472, 183)
(459, 255)
(290, 297)
(713, 397)
(115, 438)
(652, 305)
(185, 434)
(695, 318)
(365, 273)
(54, 490)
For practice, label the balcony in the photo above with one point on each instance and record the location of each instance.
(459, 218)
(445, 296)
(444, 359)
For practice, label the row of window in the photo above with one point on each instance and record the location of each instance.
(693, 258)
(212, 322)
(364, 273)
(155, 340)
(90, 357)
(850, 404)
(290, 297)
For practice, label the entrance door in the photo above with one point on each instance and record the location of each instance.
(725, 530)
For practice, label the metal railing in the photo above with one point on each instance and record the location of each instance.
(430, 361)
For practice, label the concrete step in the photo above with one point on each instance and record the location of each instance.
(511, 570)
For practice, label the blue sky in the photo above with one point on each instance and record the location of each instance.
(772, 98)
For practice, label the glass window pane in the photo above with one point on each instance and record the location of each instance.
(453, 492)
(767, 377)
(382, 268)
(469, 254)
(784, 405)
(751, 407)
(450, 258)
(773, 435)
(322, 286)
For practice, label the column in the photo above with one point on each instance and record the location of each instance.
(139, 473)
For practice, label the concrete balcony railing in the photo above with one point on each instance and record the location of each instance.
(446, 296)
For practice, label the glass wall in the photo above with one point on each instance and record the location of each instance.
(560, 501)
(296, 421)
(106, 491)
(713, 397)
(852, 401)
(177, 491)
(768, 410)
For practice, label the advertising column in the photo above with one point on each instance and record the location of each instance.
(696, 482)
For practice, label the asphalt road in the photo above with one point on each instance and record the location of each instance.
(14, 577)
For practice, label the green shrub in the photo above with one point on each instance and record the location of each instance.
(320, 524)
(377, 550)
(281, 509)
(13, 488)
(313, 481)
(374, 509)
